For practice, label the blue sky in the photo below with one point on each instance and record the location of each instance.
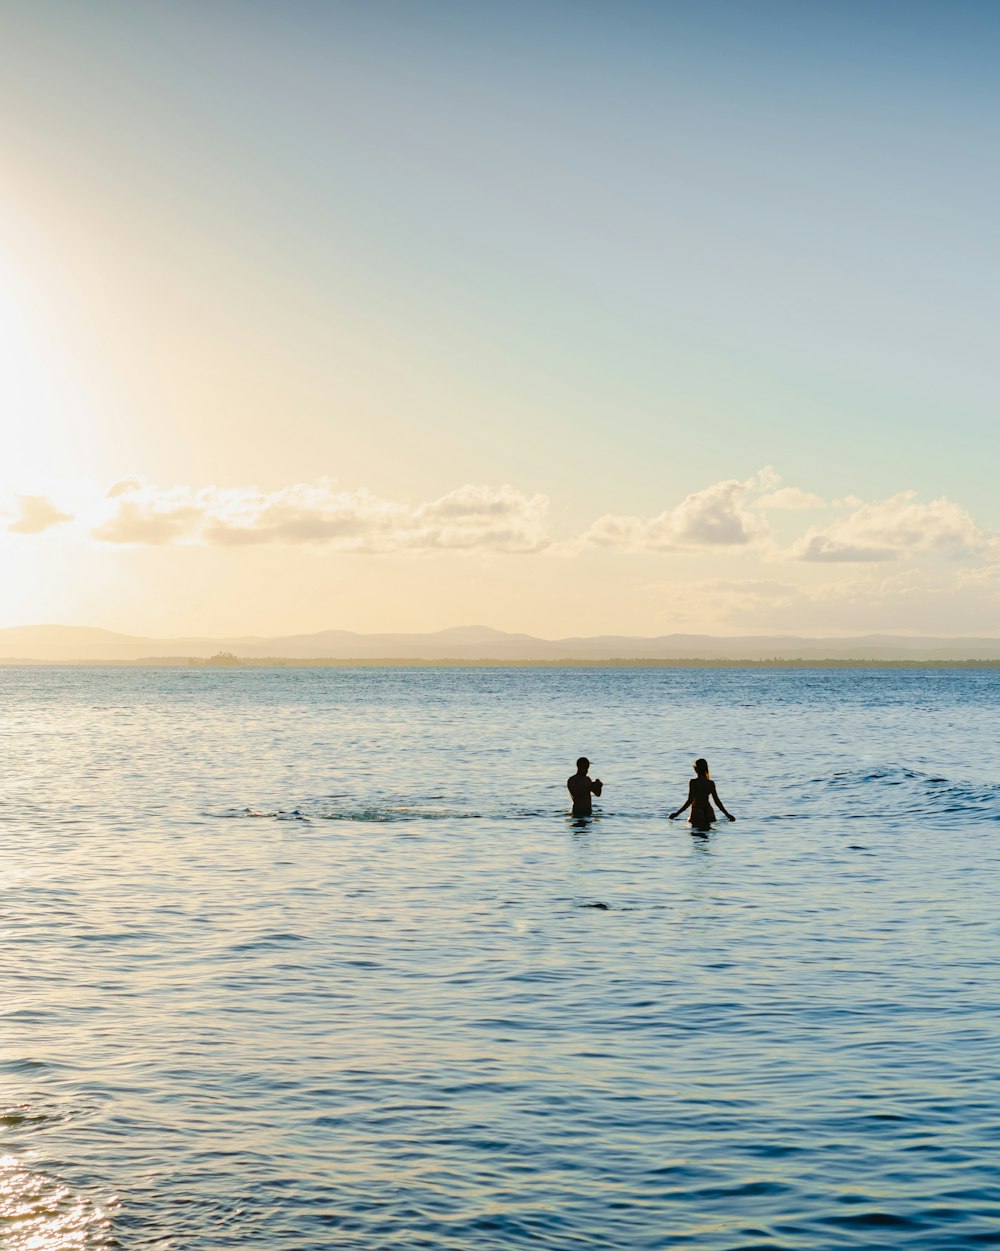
(614, 255)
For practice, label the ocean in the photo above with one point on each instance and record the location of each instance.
(313, 958)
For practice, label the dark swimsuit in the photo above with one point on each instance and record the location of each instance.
(700, 790)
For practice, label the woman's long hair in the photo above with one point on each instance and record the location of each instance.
(701, 767)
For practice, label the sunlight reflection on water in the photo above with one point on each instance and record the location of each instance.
(39, 1213)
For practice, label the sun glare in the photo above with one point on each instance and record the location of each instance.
(29, 378)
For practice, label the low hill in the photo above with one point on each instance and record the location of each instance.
(58, 643)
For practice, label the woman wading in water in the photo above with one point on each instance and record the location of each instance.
(701, 790)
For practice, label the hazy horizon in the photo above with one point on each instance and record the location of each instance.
(479, 626)
(482, 644)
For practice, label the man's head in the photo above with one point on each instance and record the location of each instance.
(583, 764)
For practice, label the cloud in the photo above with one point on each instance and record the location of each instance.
(982, 578)
(765, 479)
(896, 526)
(37, 514)
(789, 498)
(714, 517)
(471, 518)
(822, 548)
(124, 486)
(911, 599)
(948, 600)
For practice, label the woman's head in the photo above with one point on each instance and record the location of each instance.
(701, 767)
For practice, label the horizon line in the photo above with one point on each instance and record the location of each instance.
(772, 634)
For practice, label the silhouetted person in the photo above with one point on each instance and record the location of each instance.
(701, 789)
(581, 788)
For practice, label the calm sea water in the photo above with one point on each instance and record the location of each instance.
(314, 958)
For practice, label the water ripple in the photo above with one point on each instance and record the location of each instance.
(306, 959)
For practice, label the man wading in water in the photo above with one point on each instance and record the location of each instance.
(581, 788)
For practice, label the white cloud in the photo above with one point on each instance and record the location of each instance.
(122, 487)
(765, 479)
(823, 548)
(837, 577)
(984, 578)
(482, 518)
(36, 514)
(791, 499)
(714, 517)
(892, 527)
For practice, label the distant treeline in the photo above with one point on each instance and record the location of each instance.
(229, 661)
(774, 662)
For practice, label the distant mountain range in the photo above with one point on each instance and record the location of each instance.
(469, 643)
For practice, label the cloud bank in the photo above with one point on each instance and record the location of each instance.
(754, 517)
(895, 527)
(714, 517)
(750, 554)
(471, 518)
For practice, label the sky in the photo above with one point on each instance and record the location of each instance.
(555, 316)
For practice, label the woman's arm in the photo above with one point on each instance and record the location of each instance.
(721, 804)
(687, 803)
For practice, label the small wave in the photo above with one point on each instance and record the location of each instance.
(365, 814)
(25, 1114)
(856, 793)
(391, 813)
(598, 905)
(269, 814)
(914, 792)
(400, 813)
(265, 941)
(929, 793)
